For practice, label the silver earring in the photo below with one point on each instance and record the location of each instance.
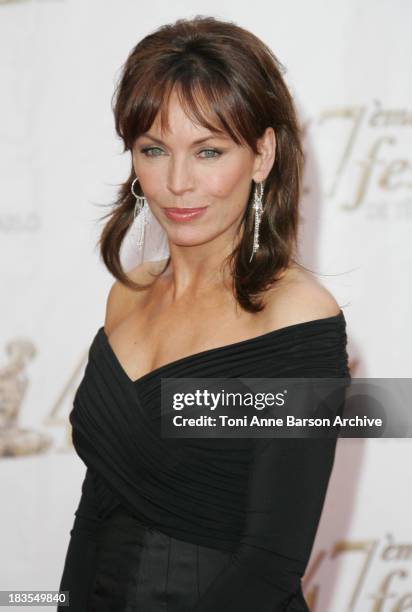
(258, 208)
(141, 209)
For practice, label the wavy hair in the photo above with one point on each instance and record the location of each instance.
(226, 79)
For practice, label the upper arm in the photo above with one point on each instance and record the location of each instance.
(298, 301)
(114, 306)
(121, 300)
(80, 560)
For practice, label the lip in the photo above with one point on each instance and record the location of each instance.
(184, 214)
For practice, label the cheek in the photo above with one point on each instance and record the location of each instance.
(233, 180)
(151, 182)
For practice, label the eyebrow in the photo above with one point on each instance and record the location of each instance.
(195, 142)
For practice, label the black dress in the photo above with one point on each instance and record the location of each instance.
(202, 525)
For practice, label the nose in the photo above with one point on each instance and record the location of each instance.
(180, 177)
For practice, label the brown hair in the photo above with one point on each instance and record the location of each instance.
(206, 60)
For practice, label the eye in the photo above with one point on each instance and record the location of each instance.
(215, 153)
(148, 151)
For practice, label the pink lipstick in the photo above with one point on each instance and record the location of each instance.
(184, 214)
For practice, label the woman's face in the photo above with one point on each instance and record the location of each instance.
(176, 171)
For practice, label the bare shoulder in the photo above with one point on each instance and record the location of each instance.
(122, 300)
(297, 298)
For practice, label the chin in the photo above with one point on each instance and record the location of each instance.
(189, 238)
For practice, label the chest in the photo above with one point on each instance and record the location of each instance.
(150, 340)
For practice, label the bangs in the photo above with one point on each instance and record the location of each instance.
(207, 100)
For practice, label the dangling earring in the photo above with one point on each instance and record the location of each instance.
(258, 208)
(141, 210)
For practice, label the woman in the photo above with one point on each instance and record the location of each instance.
(201, 524)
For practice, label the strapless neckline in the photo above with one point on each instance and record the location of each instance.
(241, 344)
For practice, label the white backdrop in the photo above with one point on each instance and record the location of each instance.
(349, 69)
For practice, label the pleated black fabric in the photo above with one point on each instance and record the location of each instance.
(248, 508)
